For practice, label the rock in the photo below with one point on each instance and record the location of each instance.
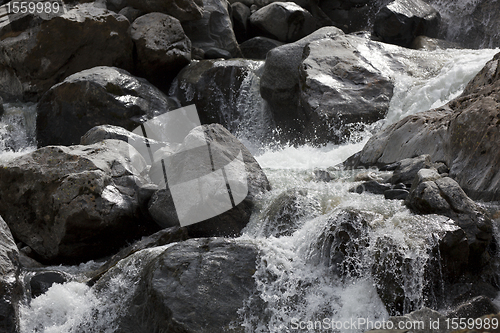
(71, 204)
(371, 186)
(284, 214)
(33, 60)
(448, 135)
(431, 44)
(116, 5)
(223, 146)
(105, 132)
(10, 287)
(396, 194)
(240, 15)
(199, 82)
(131, 13)
(257, 47)
(279, 85)
(475, 308)
(407, 169)
(420, 320)
(214, 30)
(402, 20)
(350, 16)
(183, 10)
(97, 96)
(322, 176)
(160, 238)
(444, 196)
(161, 46)
(284, 21)
(40, 282)
(198, 285)
(339, 87)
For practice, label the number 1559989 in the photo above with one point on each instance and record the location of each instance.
(30, 7)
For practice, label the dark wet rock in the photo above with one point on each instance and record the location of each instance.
(116, 5)
(257, 47)
(407, 169)
(33, 60)
(340, 87)
(422, 319)
(284, 21)
(443, 195)
(223, 144)
(396, 194)
(183, 10)
(322, 176)
(431, 44)
(371, 186)
(283, 215)
(97, 96)
(280, 80)
(162, 48)
(402, 20)
(240, 14)
(40, 282)
(350, 16)
(194, 286)
(216, 53)
(475, 308)
(468, 148)
(131, 13)
(340, 245)
(214, 30)
(10, 286)
(201, 81)
(71, 204)
(400, 186)
(160, 238)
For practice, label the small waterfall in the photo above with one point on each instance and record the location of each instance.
(17, 129)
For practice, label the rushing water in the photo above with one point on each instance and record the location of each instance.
(304, 286)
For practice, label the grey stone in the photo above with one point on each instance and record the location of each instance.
(396, 194)
(183, 10)
(257, 47)
(162, 48)
(106, 95)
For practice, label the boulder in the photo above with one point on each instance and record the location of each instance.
(214, 31)
(131, 13)
(279, 85)
(97, 96)
(469, 148)
(257, 47)
(34, 59)
(71, 204)
(240, 15)
(160, 238)
(284, 21)
(432, 44)
(475, 308)
(350, 16)
(433, 194)
(407, 169)
(339, 87)
(285, 213)
(201, 81)
(41, 281)
(10, 286)
(224, 147)
(183, 10)
(401, 21)
(371, 186)
(198, 285)
(161, 47)
(396, 194)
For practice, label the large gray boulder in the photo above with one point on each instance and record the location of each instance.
(279, 85)
(469, 148)
(194, 286)
(224, 147)
(431, 194)
(284, 21)
(71, 204)
(183, 10)
(46, 51)
(162, 47)
(339, 87)
(10, 286)
(257, 47)
(97, 96)
(214, 31)
(402, 20)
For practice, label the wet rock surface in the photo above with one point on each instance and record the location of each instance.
(73, 203)
(97, 96)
